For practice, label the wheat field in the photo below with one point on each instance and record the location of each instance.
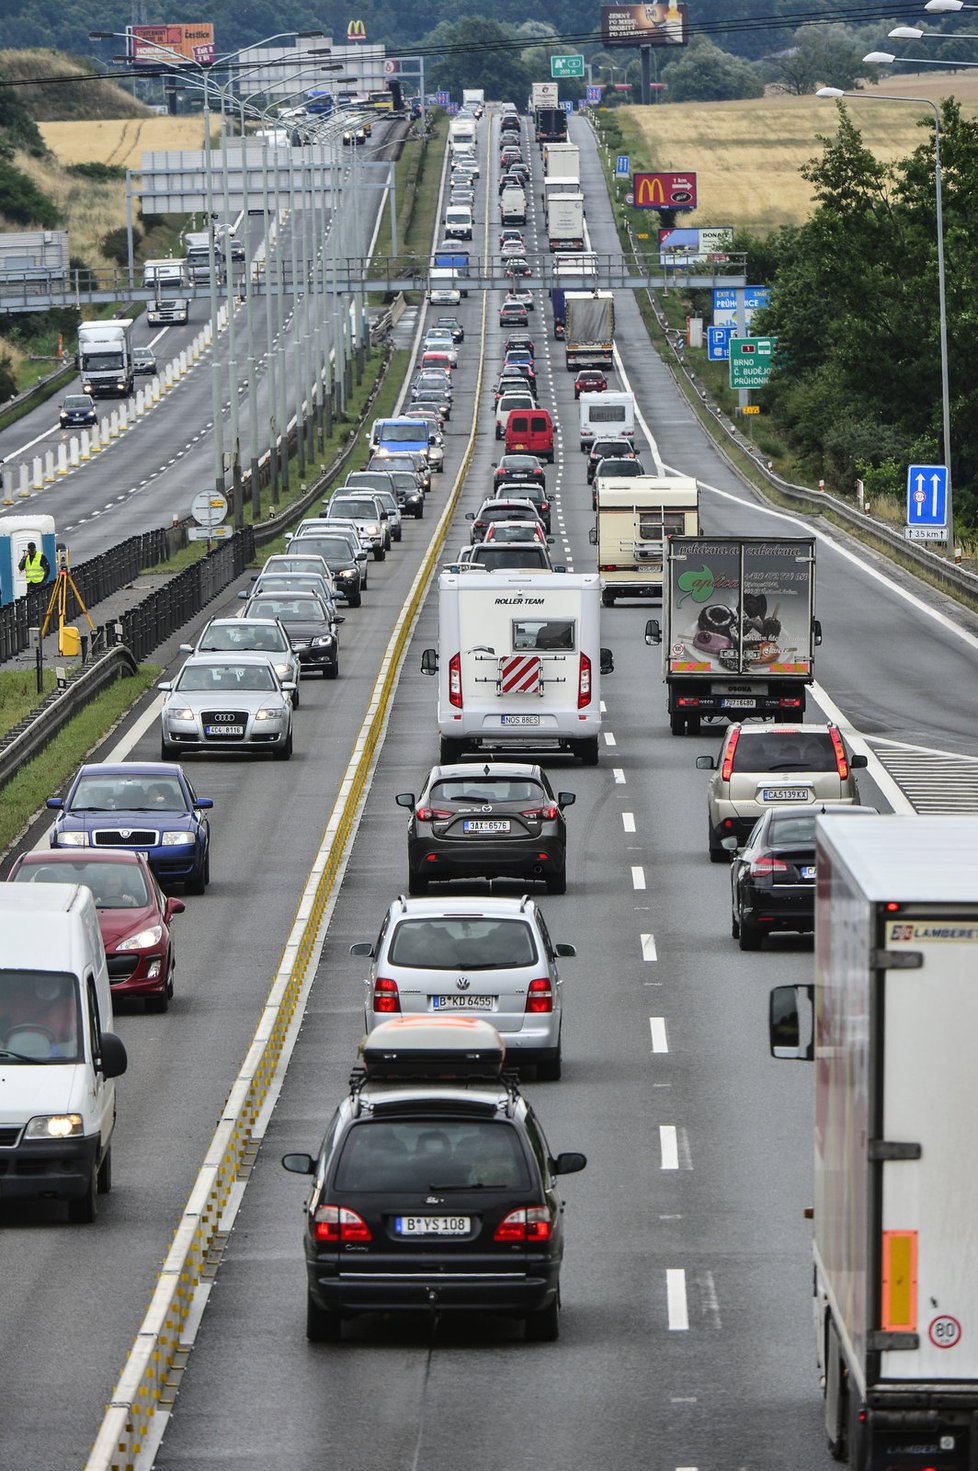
(747, 155)
(123, 141)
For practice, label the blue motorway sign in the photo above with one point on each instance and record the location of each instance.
(593, 94)
(567, 106)
(718, 343)
(622, 166)
(725, 304)
(927, 495)
(442, 99)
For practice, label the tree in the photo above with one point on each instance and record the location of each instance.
(824, 56)
(476, 54)
(707, 74)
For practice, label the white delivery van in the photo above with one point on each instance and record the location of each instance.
(458, 222)
(636, 517)
(443, 286)
(519, 662)
(608, 415)
(512, 206)
(58, 1055)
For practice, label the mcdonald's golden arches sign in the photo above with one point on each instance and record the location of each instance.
(356, 31)
(664, 191)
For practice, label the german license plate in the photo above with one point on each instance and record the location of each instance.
(731, 704)
(432, 1225)
(461, 1003)
(485, 825)
(521, 720)
(224, 730)
(786, 794)
(808, 870)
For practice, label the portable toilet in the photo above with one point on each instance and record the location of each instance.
(15, 533)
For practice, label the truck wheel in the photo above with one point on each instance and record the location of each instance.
(588, 750)
(322, 1326)
(380, 553)
(83, 1210)
(750, 936)
(677, 723)
(450, 750)
(607, 597)
(717, 854)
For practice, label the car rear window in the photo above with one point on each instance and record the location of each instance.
(431, 1154)
(787, 751)
(498, 789)
(462, 943)
(791, 831)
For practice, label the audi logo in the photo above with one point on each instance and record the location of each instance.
(227, 716)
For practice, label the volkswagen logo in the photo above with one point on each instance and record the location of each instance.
(463, 983)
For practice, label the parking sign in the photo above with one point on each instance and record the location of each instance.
(622, 166)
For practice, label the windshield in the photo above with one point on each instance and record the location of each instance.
(233, 677)
(78, 401)
(403, 433)
(40, 1018)
(419, 1155)
(118, 794)
(288, 609)
(462, 943)
(347, 506)
(98, 362)
(241, 636)
(114, 885)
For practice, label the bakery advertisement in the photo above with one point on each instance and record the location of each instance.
(742, 610)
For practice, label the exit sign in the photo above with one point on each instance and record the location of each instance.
(751, 361)
(567, 66)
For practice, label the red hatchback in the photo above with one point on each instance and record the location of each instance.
(133, 913)
(589, 380)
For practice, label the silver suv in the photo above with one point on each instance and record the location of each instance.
(485, 957)
(760, 765)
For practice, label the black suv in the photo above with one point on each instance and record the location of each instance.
(434, 1189)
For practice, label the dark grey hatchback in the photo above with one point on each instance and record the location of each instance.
(434, 1189)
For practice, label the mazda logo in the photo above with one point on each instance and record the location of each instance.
(463, 983)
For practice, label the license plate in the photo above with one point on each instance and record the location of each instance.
(485, 825)
(786, 794)
(808, 870)
(432, 1225)
(521, 720)
(731, 704)
(461, 1003)
(224, 730)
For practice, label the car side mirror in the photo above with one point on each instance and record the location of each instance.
(113, 1058)
(564, 949)
(55, 802)
(559, 568)
(362, 947)
(204, 803)
(858, 763)
(566, 799)
(568, 1163)
(299, 1164)
(429, 661)
(592, 536)
(186, 648)
(817, 631)
(470, 515)
(174, 906)
(732, 844)
(706, 763)
(165, 684)
(653, 633)
(791, 1022)
(405, 799)
(339, 618)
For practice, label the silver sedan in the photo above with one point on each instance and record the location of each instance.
(227, 702)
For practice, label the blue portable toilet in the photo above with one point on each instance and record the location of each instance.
(15, 533)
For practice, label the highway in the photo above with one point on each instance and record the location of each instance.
(686, 1337)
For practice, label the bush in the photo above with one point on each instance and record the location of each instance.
(115, 245)
(8, 378)
(23, 202)
(99, 173)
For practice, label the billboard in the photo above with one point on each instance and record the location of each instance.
(664, 191)
(356, 31)
(170, 44)
(678, 247)
(660, 24)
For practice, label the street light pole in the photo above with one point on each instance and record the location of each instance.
(941, 295)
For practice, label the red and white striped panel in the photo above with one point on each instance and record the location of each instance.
(520, 674)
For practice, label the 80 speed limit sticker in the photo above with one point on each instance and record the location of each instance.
(944, 1332)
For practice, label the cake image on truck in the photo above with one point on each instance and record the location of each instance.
(519, 662)
(890, 1023)
(739, 630)
(636, 516)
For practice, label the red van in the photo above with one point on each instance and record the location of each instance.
(531, 432)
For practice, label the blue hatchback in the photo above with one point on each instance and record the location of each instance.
(149, 806)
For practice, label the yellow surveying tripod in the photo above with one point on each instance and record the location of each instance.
(68, 640)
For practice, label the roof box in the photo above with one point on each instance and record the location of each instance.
(445, 1049)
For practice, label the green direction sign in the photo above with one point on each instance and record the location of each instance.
(751, 360)
(567, 66)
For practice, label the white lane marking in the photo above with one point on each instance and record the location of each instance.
(609, 739)
(638, 878)
(628, 821)
(676, 1297)
(657, 1026)
(648, 947)
(897, 798)
(669, 1147)
(602, 707)
(619, 775)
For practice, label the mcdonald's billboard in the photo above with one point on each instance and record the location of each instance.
(663, 23)
(664, 191)
(167, 45)
(356, 31)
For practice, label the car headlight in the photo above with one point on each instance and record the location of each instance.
(180, 712)
(143, 939)
(176, 839)
(270, 713)
(324, 641)
(73, 840)
(284, 671)
(373, 529)
(54, 1126)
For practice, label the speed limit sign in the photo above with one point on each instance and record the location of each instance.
(945, 1331)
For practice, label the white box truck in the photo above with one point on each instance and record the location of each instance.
(739, 630)
(461, 133)
(475, 99)
(60, 1056)
(607, 414)
(589, 329)
(890, 1023)
(565, 221)
(561, 161)
(519, 662)
(636, 516)
(105, 357)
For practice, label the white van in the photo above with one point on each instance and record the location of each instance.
(59, 1057)
(606, 415)
(458, 222)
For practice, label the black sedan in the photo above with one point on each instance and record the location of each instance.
(307, 622)
(772, 877)
(513, 468)
(454, 326)
(497, 819)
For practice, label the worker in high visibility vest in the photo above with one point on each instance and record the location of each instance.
(34, 565)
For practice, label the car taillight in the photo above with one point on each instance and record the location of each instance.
(431, 814)
(386, 996)
(841, 763)
(539, 996)
(455, 681)
(336, 1223)
(584, 683)
(541, 814)
(764, 867)
(530, 1224)
(726, 770)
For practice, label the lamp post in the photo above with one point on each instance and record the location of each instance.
(837, 92)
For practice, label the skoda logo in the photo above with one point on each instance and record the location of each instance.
(125, 832)
(463, 983)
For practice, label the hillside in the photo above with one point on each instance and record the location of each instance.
(73, 95)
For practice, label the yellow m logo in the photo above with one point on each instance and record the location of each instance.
(649, 190)
(356, 31)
